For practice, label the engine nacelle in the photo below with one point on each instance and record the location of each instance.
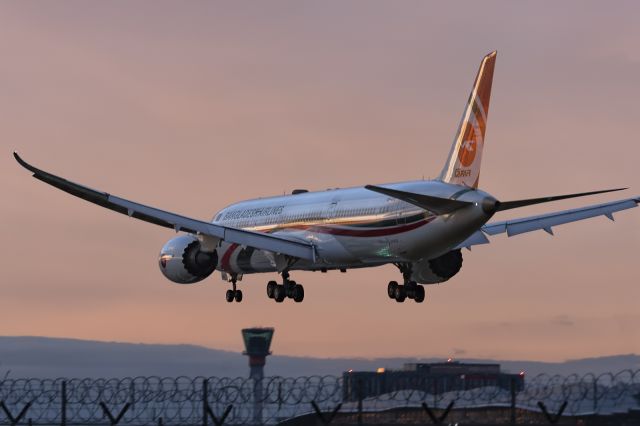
(182, 261)
(437, 270)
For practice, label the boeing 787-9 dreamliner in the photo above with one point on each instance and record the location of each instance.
(418, 226)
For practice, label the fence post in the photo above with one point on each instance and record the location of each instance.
(114, 420)
(15, 420)
(132, 394)
(595, 395)
(205, 400)
(63, 403)
(438, 420)
(552, 419)
(435, 393)
(360, 397)
(321, 416)
(513, 401)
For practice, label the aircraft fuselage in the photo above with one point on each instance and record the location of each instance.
(352, 227)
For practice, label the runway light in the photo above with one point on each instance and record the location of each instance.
(351, 370)
(450, 360)
(380, 370)
(522, 373)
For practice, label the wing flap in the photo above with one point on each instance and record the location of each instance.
(273, 243)
(547, 221)
(164, 218)
(475, 239)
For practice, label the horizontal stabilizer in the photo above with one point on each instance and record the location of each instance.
(435, 205)
(508, 205)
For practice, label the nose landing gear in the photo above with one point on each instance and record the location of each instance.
(234, 293)
(288, 289)
(410, 289)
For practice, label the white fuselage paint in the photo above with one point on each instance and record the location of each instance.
(352, 227)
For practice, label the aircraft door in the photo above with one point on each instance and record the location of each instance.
(331, 211)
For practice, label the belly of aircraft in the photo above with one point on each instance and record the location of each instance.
(336, 249)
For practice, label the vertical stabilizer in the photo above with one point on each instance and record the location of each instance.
(463, 165)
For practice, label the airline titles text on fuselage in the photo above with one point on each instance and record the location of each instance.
(247, 213)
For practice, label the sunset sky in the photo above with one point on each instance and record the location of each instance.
(190, 106)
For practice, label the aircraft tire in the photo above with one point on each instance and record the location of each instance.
(238, 296)
(411, 292)
(289, 287)
(391, 289)
(279, 294)
(419, 294)
(271, 289)
(298, 293)
(230, 296)
(401, 294)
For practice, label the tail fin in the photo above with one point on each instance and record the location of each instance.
(463, 165)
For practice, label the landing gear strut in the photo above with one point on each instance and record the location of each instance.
(409, 289)
(234, 293)
(288, 289)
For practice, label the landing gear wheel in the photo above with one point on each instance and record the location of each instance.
(279, 293)
(298, 293)
(411, 288)
(391, 289)
(290, 286)
(238, 296)
(230, 296)
(401, 294)
(419, 294)
(411, 293)
(288, 289)
(271, 289)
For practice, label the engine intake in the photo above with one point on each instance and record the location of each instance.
(182, 261)
(447, 265)
(439, 269)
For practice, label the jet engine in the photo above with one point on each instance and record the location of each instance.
(439, 269)
(182, 261)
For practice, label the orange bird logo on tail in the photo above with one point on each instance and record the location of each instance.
(467, 152)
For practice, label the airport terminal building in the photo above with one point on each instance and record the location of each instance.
(439, 377)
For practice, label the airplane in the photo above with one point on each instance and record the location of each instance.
(418, 226)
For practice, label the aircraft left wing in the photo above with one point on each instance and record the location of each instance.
(547, 221)
(273, 243)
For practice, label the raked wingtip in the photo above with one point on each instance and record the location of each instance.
(24, 163)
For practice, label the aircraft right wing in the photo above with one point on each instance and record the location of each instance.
(547, 221)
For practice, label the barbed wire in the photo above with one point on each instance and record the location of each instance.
(181, 400)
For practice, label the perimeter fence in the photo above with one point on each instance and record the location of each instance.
(216, 400)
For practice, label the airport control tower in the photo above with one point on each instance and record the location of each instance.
(257, 342)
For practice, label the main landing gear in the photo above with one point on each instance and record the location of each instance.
(234, 293)
(410, 289)
(288, 288)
